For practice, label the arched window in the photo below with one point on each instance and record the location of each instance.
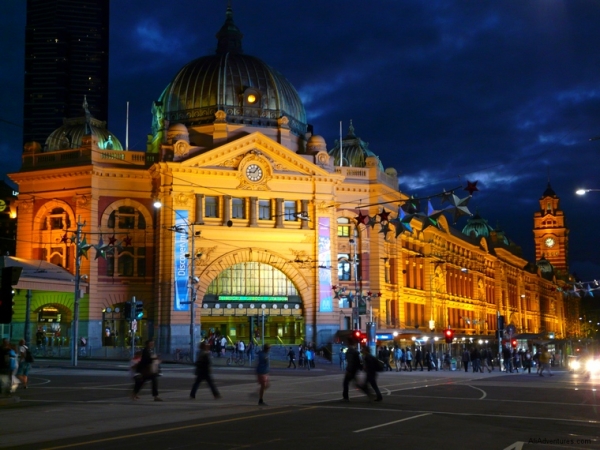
(252, 278)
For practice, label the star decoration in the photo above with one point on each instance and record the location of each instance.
(112, 240)
(361, 219)
(411, 206)
(83, 248)
(471, 186)
(446, 196)
(588, 291)
(432, 216)
(372, 221)
(379, 294)
(384, 215)
(73, 238)
(401, 223)
(385, 228)
(127, 241)
(64, 239)
(459, 206)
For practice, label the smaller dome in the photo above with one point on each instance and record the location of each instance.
(316, 144)
(70, 135)
(477, 226)
(178, 132)
(549, 192)
(32, 147)
(354, 152)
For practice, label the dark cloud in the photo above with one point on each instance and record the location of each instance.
(444, 91)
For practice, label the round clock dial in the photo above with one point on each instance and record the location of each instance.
(549, 242)
(254, 172)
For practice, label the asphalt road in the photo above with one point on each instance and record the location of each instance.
(89, 407)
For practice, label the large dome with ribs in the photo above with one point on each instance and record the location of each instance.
(244, 87)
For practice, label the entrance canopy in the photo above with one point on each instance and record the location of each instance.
(38, 275)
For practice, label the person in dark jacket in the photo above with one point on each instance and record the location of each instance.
(262, 372)
(203, 372)
(353, 365)
(370, 366)
(291, 354)
(419, 359)
(147, 369)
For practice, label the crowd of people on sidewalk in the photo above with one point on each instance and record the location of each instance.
(15, 362)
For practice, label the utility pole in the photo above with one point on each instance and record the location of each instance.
(193, 297)
(75, 327)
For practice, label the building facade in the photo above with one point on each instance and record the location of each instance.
(237, 221)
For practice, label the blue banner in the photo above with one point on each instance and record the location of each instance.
(181, 266)
(325, 293)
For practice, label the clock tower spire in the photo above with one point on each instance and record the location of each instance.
(550, 232)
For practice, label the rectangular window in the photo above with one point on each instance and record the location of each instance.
(344, 268)
(237, 208)
(289, 211)
(343, 230)
(211, 205)
(264, 210)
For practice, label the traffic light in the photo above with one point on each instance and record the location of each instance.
(356, 334)
(10, 277)
(513, 343)
(449, 335)
(139, 309)
(128, 312)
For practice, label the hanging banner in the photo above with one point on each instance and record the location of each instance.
(181, 266)
(325, 292)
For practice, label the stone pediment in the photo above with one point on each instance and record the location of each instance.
(256, 146)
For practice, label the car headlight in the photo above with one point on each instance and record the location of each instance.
(575, 365)
(592, 366)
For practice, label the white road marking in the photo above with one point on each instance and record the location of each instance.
(391, 423)
(484, 393)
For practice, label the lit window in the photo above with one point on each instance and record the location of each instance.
(290, 211)
(211, 207)
(237, 208)
(264, 210)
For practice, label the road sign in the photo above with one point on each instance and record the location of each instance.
(134, 325)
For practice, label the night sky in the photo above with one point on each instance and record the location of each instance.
(503, 92)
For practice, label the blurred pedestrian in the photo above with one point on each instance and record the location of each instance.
(353, 366)
(25, 360)
(262, 372)
(204, 371)
(147, 369)
(291, 354)
(371, 366)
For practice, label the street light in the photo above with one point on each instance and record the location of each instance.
(585, 191)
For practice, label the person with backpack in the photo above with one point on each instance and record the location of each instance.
(371, 366)
(25, 360)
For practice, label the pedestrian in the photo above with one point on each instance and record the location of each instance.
(419, 358)
(148, 370)
(25, 360)
(545, 362)
(409, 358)
(262, 372)
(291, 354)
(485, 361)
(241, 347)
(223, 345)
(371, 366)
(447, 362)
(507, 357)
(250, 352)
(301, 353)
(203, 371)
(398, 357)
(342, 356)
(434, 360)
(466, 357)
(353, 366)
(309, 357)
(386, 359)
(475, 359)
(527, 361)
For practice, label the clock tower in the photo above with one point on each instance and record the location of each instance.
(550, 232)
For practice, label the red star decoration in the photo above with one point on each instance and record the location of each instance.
(112, 240)
(361, 219)
(471, 186)
(127, 241)
(369, 293)
(64, 239)
(379, 294)
(334, 287)
(384, 215)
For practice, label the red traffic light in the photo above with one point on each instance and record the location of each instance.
(449, 335)
(513, 343)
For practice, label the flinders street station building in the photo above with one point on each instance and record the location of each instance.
(236, 220)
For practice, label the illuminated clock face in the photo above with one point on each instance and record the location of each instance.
(549, 242)
(2, 205)
(254, 172)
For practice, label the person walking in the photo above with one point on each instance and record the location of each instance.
(466, 357)
(409, 358)
(434, 360)
(545, 362)
(250, 352)
(419, 358)
(309, 357)
(342, 356)
(353, 365)
(262, 372)
(148, 370)
(527, 361)
(204, 371)
(25, 360)
(397, 357)
(291, 354)
(485, 361)
(371, 367)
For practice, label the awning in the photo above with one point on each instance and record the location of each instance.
(38, 275)
(530, 336)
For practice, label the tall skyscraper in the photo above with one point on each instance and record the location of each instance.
(66, 57)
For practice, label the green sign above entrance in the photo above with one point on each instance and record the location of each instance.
(251, 298)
